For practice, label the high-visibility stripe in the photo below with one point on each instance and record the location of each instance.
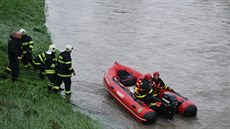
(153, 104)
(8, 69)
(69, 62)
(36, 63)
(25, 43)
(70, 68)
(31, 46)
(165, 87)
(140, 96)
(31, 42)
(67, 92)
(52, 66)
(60, 57)
(64, 75)
(50, 84)
(40, 57)
(151, 91)
(50, 71)
(60, 61)
(56, 87)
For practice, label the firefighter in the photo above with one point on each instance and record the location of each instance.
(64, 70)
(148, 78)
(13, 50)
(26, 48)
(159, 84)
(142, 90)
(39, 63)
(49, 65)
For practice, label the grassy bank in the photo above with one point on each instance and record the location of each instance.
(26, 104)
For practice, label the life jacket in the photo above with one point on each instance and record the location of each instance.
(156, 89)
(142, 89)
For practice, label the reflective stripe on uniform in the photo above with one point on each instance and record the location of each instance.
(69, 62)
(50, 71)
(8, 69)
(60, 61)
(56, 87)
(151, 91)
(70, 68)
(52, 66)
(40, 57)
(153, 104)
(50, 84)
(140, 96)
(67, 92)
(31, 42)
(155, 95)
(31, 46)
(165, 87)
(36, 63)
(25, 43)
(64, 75)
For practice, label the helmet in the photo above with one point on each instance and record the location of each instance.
(52, 48)
(156, 73)
(22, 31)
(148, 76)
(68, 48)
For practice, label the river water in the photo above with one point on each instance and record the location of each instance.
(188, 41)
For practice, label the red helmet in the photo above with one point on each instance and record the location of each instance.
(156, 73)
(148, 76)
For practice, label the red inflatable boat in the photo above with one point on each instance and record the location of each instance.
(122, 91)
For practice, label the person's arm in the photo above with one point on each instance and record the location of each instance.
(68, 62)
(31, 44)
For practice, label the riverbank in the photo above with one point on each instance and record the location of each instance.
(26, 103)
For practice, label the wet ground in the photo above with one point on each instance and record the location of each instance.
(188, 41)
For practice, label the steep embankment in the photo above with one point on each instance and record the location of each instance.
(26, 104)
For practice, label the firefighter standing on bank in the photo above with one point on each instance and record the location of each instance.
(49, 65)
(26, 48)
(64, 70)
(14, 45)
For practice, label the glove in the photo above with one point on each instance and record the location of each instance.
(74, 73)
(170, 89)
(158, 104)
(19, 58)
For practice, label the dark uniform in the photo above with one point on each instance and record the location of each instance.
(64, 72)
(13, 50)
(39, 63)
(143, 92)
(50, 68)
(157, 85)
(26, 48)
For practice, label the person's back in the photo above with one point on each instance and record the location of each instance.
(64, 63)
(13, 46)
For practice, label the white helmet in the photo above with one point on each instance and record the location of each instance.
(52, 48)
(22, 31)
(68, 48)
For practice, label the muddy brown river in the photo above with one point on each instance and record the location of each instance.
(188, 41)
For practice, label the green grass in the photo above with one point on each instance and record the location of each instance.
(26, 104)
